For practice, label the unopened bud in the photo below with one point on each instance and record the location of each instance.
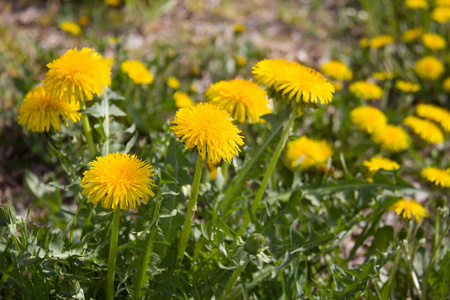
(440, 201)
(254, 244)
(70, 288)
(7, 215)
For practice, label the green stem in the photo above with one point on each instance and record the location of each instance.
(112, 255)
(75, 218)
(106, 125)
(142, 276)
(386, 292)
(87, 130)
(190, 210)
(270, 169)
(233, 279)
(436, 229)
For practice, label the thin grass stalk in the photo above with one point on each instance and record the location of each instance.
(87, 130)
(112, 255)
(233, 279)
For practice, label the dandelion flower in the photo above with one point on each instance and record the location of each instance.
(367, 90)
(380, 163)
(83, 21)
(435, 113)
(212, 171)
(173, 83)
(118, 180)
(238, 27)
(368, 118)
(182, 99)
(364, 43)
(40, 112)
(137, 72)
(407, 207)
(434, 41)
(241, 98)
(310, 152)
(381, 41)
(412, 35)
(338, 85)
(442, 2)
(416, 4)
(385, 75)
(78, 75)
(391, 138)
(113, 3)
(429, 67)
(407, 87)
(240, 61)
(337, 70)
(70, 27)
(446, 85)
(426, 130)
(293, 81)
(438, 176)
(210, 129)
(441, 14)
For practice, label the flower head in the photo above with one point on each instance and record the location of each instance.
(416, 4)
(118, 180)
(446, 85)
(435, 113)
(293, 81)
(182, 99)
(391, 138)
(137, 72)
(241, 98)
(381, 41)
(438, 176)
(367, 90)
(240, 60)
(441, 14)
(83, 21)
(383, 75)
(70, 27)
(364, 42)
(427, 130)
(429, 67)
(434, 41)
(406, 86)
(337, 70)
(368, 118)
(310, 152)
(412, 34)
(380, 163)
(40, 112)
(77, 75)
(173, 83)
(210, 129)
(407, 207)
(114, 3)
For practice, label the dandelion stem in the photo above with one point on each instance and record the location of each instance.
(112, 255)
(233, 279)
(87, 130)
(142, 273)
(106, 127)
(190, 210)
(387, 288)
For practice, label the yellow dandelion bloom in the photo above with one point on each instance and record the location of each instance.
(210, 129)
(368, 118)
(182, 99)
(391, 138)
(337, 70)
(441, 14)
(83, 21)
(364, 42)
(426, 130)
(78, 75)
(434, 41)
(310, 152)
(114, 3)
(367, 90)
(40, 112)
(240, 61)
(70, 27)
(385, 75)
(429, 67)
(406, 86)
(212, 171)
(412, 35)
(446, 85)
(381, 41)
(338, 85)
(438, 176)
(380, 163)
(442, 2)
(118, 181)
(406, 208)
(241, 98)
(293, 81)
(416, 4)
(137, 72)
(173, 83)
(238, 27)
(435, 113)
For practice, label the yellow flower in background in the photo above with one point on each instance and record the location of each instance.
(381, 41)
(70, 27)
(40, 112)
(442, 2)
(337, 70)
(406, 86)
(416, 4)
(441, 14)
(338, 85)
(241, 98)
(367, 90)
(77, 75)
(368, 118)
(294, 81)
(434, 41)
(406, 208)
(209, 128)
(446, 85)
(173, 83)
(380, 163)
(114, 3)
(391, 138)
(426, 130)
(438, 176)
(238, 27)
(137, 72)
(364, 42)
(412, 35)
(429, 68)
(435, 113)
(182, 99)
(310, 152)
(385, 75)
(83, 21)
(113, 41)
(240, 61)
(118, 181)
(212, 171)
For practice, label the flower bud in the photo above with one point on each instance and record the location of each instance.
(441, 201)
(254, 243)
(7, 215)
(70, 288)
